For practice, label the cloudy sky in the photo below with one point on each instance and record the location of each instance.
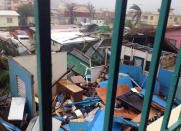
(146, 5)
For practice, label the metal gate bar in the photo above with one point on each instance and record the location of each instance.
(117, 38)
(157, 48)
(44, 71)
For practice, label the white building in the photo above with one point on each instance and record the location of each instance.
(8, 18)
(98, 22)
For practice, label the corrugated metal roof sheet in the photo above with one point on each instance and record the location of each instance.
(80, 55)
(70, 37)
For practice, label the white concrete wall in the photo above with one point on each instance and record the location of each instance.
(134, 52)
(95, 72)
(4, 23)
(59, 67)
(30, 20)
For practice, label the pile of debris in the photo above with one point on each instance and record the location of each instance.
(79, 104)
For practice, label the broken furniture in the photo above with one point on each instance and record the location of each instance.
(131, 100)
(69, 88)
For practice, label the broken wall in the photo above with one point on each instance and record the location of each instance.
(59, 66)
(15, 70)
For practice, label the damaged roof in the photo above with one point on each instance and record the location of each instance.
(80, 55)
(146, 37)
(71, 37)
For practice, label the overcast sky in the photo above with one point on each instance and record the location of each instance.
(146, 5)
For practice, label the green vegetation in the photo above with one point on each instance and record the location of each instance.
(25, 11)
(95, 61)
(4, 76)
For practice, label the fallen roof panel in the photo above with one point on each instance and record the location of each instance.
(17, 108)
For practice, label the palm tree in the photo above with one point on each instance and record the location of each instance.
(137, 13)
(91, 9)
(71, 8)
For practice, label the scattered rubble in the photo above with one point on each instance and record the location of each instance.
(80, 90)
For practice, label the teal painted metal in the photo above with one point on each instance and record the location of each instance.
(158, 44)
(172, 92)
(175, 126)
(118, 30)
(44, 73)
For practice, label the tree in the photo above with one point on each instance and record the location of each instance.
(91, 9)
(129, 24)
(25, 11)
(71, 7)
(137, 13)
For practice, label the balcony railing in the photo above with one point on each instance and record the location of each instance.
(42, 13)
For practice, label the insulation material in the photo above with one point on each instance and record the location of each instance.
(21, 87)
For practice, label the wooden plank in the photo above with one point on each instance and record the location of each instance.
(120, 90)
(124, 113)
(70, 86)
(77, 79)
(152, 113)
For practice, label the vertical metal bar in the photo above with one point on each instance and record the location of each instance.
(174, 127)
(117, 37)
(44, 72)
(172, 92)
(158, 44)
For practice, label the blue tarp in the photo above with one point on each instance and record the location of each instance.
(121, 81)
(67, 127)
(97, 124)
(77, 126)
(139, 78)
(9, 126)
(157, 99)
(124, 121)
(133, 71)
(87, 102)
(165, 79)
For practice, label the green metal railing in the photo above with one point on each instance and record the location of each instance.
(44, 70)
(42, 13)
(114, 68)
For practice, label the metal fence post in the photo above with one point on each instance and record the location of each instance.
(172, 92)
(44, 73)
(158, 44)
(117, 38)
